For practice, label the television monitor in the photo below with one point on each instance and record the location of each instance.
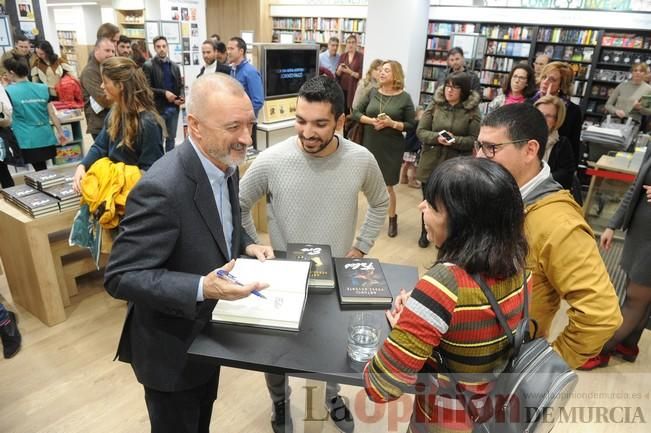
(286, 69)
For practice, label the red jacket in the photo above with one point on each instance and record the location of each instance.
(69, 91)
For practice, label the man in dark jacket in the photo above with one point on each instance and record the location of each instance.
(457, 63)
(165, 80)
(182, 222)
(96, 104)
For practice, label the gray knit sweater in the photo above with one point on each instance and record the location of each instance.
(314, 200)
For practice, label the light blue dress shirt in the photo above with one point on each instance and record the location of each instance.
(219, 185)
(328, 61)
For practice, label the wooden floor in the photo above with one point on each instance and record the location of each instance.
(64, 380)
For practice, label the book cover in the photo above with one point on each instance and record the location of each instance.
(567, 53)
(558, 52)
(362, 282)
(284, 300)
(322, 275)
(62, 192)
(18, 191)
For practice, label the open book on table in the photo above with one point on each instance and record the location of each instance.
(285, 296)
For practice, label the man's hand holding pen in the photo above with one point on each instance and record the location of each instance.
(216, 287)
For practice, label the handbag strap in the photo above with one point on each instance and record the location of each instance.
(514, 341)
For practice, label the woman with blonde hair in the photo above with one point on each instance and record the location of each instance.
(556, 79)
(558, 150)
(385, 114)
(369, 81)
(133, 130)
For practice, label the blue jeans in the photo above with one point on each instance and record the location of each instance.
(4, 314)
(171, 117)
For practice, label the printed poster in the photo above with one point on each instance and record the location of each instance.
(25, 10)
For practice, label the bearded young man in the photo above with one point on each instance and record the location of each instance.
(312, 182)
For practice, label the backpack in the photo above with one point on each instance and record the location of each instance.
(527, 395)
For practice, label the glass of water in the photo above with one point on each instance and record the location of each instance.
(363, 335)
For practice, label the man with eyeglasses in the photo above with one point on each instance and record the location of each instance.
(312, 183)
(563, 254)
(182, 222)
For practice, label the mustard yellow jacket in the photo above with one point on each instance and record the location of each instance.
(108, 184)
(565, 262)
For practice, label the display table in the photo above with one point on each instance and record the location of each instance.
(317, 351)
(269, 134)
(33, 274)
(607, 167)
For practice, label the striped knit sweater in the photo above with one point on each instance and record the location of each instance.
(448, 314)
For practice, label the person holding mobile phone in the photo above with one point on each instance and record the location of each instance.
(448, 128)
(387, 112)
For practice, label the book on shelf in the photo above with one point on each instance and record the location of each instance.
(322, 273)
(284, 300)
(361, 282)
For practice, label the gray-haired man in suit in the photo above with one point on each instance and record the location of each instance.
(182, 222)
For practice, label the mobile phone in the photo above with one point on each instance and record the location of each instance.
(448, 137)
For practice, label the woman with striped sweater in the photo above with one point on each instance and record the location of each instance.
(474, 215)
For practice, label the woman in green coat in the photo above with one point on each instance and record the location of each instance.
(455, 110)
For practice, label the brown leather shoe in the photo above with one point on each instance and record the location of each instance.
(393, 226)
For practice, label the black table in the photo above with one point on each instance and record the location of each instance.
(317, 351)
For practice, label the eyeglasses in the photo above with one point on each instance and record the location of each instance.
(490, 149)
(452, 86)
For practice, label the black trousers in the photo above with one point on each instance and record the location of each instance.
(5, 177)
(182, 411)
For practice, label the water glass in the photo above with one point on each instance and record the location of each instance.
(363, 335)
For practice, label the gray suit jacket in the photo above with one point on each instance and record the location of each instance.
(622, 218)
(170, 236)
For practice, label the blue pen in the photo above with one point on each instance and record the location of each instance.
(230, 277)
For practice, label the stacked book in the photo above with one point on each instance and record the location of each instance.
(35, 203)
(44, 193)
(47, 178)
(65, 193)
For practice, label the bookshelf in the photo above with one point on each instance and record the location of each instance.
(319, 29)
(436, 51)
(506, 46)
(68, 44)
(132, 23)
(601, 59)
(618, 53)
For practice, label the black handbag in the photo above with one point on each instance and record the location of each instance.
(13, 154)
(528, 394)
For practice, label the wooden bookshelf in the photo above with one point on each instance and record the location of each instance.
(319, 29)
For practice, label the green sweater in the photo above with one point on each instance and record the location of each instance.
(624, 98)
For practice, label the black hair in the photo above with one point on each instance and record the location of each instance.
(462, 80)
(333, 39)
(522, 122)
(20, 38)
(46, 47)
(530, 88)
(160, 38)
(220, 47)
(215, 36)
(455, 50)
(17, 66)
(240, 43)
(124, 40)
(324, 89)
(485, 216)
